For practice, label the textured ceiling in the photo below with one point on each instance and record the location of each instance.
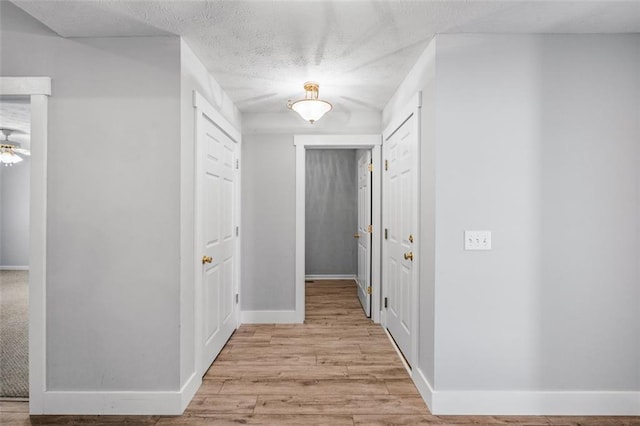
(261, 52)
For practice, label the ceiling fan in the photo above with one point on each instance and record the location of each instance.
(9, 150)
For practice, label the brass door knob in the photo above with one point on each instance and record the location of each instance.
(356, 235)
(207, 259)
(408, 256)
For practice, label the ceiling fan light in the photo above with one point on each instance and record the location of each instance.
(9, 158)
(8, 149)
(310, 108)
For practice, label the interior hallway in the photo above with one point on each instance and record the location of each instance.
(336, 369)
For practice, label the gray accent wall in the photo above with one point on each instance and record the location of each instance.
(331, 212)
(14, 215)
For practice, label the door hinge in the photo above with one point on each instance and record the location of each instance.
(386, 164)
(386, 233)
(369, 290)
(237, 164)
(237, 298)
(370, 229)
(370, 167)
(237, 231)
(386, 302)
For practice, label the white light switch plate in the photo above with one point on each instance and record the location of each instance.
(477, 240)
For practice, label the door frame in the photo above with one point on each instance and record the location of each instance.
(412, 108)
(304, 142)
(39, 90)
(368, 206)
(202, 106)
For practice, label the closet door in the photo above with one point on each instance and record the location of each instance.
(216, 236)
(400, 223)
(363, 233)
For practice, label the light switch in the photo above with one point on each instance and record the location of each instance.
(477, 240)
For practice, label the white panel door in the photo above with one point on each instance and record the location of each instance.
(217, 239)
(400, 223)
(363, 234)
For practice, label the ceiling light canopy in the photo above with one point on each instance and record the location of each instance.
(310, 108)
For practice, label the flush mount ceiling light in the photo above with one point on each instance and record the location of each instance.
(9, 150)
(310, 108)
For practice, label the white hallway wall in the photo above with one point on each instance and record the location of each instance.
(114, 101)
(537, 139)
(120, 218)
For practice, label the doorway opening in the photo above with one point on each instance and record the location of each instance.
(38, 90)
(15, 169)
(341, 216)
(337, 240)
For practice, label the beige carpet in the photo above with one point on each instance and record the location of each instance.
(14, 333)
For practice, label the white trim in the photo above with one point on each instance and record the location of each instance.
(198, 293)
(14, 268)
(330, 277)
(39, 90)
(238, 221)
(112, 403)
(27, 86)
(300, 229)
(399, 118)
(572, 403)
(189, 390)
(201, 103)
(424, 387)
(38, 254)
(377, 235)
(337, 141)
(303, 142)
(268, 317)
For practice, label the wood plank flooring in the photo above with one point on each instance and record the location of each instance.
(336, 369)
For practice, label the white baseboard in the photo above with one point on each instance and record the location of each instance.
(189, 390)
(112, 403)
(330, 277)
(14, 268)
(535, 403)
(526, 403)
(269, 317)
(424, 387)
(121, 403)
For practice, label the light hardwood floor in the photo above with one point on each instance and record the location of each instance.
(336, 369)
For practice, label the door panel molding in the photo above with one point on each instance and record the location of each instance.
(304, 142)
(363, 180)
(400, 119)
(217, 232)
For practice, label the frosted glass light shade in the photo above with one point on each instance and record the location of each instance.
(7, 158)
(311, 110)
